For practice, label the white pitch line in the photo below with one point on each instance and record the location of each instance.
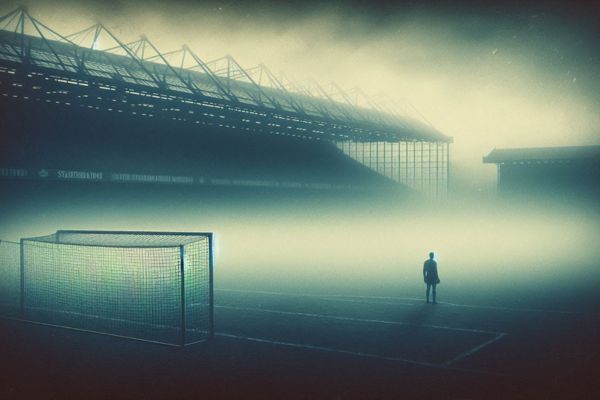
(529, 310)
(372, 321)
(332, 350)
(273, 293)
(89, 331)
(501, 308)
(362, 301)
(532, 310)
(474, 349)
(315, 295)
(352, 353)
(98, 317)
(320, 295)
(421, 299)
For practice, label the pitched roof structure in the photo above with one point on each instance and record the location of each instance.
(542, 154)
(99, 55)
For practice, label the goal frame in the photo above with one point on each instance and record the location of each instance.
(208, 235)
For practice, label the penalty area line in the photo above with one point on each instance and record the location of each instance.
(352, 353)
(474, 349)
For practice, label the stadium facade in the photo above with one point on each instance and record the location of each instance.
(90, 107)
(573, 170)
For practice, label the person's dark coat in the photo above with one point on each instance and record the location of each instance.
(430, 273)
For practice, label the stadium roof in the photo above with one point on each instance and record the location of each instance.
(535, 154)
(98, 54)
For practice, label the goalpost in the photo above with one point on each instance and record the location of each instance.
(152, 286)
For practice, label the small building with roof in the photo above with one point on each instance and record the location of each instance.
(572, 170)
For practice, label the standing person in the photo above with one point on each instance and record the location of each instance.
(430, 276)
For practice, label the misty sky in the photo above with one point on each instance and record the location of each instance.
(503, 75)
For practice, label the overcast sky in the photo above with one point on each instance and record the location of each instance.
(499, 75)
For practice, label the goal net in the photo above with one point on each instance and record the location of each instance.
(142, 285)
(10, 278)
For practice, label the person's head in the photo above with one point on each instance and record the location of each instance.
(431, 255)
